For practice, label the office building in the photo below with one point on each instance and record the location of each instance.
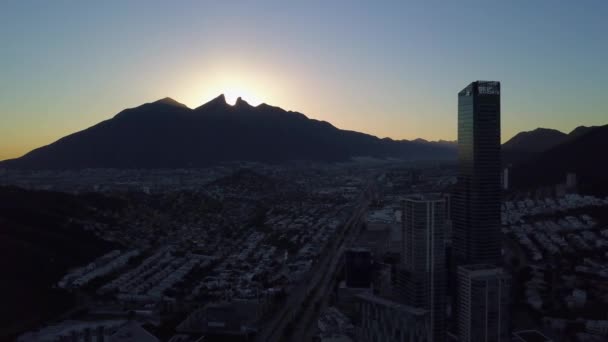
(476, 211)
(358, 267)
(423, 277)
(385, 320)
(530, 336)
(483, 304)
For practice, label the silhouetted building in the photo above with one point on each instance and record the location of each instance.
(415, 176)
(385, 320)
(383, 282)
(448, 220)
(505, 178)
(423, 282)
(358, 267)
(530, 336)
(483, 304)
(571, 182)
(448, 206)
(476, 211)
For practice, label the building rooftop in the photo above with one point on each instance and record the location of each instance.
(388, 303)
(133, 332)
(480, 270)
(481, 88)
(530, 336)
(425, 197)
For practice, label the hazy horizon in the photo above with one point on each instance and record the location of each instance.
(390, 71)
(231, 101)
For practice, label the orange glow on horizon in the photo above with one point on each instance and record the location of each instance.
(234, 80)
(231, 94)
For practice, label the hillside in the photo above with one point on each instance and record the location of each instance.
(583, 154)
(535, 141)
(167, 134)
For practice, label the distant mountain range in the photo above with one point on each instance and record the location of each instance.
(528, 145)
(535, 141)
(168, 134)
(544, 157)
(542, 139)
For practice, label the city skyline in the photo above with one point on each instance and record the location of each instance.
(309, 172)
(365, 68)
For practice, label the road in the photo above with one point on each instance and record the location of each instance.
(299, 306)
(307, 320)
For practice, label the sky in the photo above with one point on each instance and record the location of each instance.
(391, 69)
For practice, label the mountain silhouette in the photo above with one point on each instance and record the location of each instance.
(581, 130)
(535, 141)
(583, 153)
(168, 134)
(528, 145)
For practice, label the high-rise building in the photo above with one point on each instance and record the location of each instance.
(385, 320)
(571, 181)
(505, 179)
(476, 210)
(483, 300)
(358, 267)
(422, 281)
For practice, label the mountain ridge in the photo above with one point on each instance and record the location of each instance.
(542, 139)
(528, 145)
(168, 134)
(536, 140)
(578, 154)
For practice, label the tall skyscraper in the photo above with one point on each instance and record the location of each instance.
(476, 211)
(423, 282)
(358, 267)
(483, 299)
(385, 320)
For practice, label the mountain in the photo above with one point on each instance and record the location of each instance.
(535, 141)
(581, 130)
(528, 145)
(582, 153)
(168, 134)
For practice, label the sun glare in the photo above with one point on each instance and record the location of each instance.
(232, 94)
(233, 82)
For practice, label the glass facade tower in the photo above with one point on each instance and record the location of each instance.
(476, 206)
(483, 304)
(423, 255)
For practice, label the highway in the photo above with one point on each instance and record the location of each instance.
(307, 320)
(299, 308)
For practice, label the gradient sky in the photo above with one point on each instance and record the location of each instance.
(385, 68)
